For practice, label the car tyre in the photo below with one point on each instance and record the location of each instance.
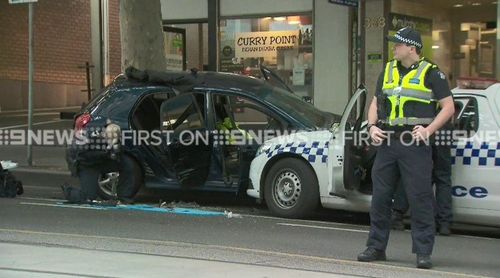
(127, 181)
(291, 189)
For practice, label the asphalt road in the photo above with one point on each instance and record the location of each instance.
(327, 243)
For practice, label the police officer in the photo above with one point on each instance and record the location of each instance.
(401, 118)
(441, 177)
(107, 161)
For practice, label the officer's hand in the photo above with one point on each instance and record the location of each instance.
(377, 134)
(420, 133)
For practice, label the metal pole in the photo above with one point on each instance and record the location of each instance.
(30, 82)
(213, 30)
(496, 69)
(89, 89)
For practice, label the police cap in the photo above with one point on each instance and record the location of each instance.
(407, 36)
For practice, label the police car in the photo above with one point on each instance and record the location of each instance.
(295, 173)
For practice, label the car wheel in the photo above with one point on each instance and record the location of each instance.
(108, 183)
(291, 189)
(125, 183)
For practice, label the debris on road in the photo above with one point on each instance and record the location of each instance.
(230, 214)
(176, 204)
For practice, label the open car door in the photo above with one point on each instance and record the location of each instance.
(355, 147)
(185, 138)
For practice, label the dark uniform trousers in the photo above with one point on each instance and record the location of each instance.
(413, 164)
(441, 177)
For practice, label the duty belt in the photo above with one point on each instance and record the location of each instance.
(408, 121)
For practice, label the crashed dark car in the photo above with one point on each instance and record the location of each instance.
(168, 104)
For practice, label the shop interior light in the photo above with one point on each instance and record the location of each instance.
(476, 4)
(279, 18)
(458, 6)
(293, 19)
(267, 18)
(435, 47)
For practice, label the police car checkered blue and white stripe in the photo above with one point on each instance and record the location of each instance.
(485, 154)
(313, 151)
(408, 41)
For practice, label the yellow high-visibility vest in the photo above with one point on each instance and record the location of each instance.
(410, 88)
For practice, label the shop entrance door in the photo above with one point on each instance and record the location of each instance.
(175, 48)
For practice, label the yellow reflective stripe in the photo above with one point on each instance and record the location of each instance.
(416, 94)
(409, 121)
(388, 92)
(422, 68)
(409, 93)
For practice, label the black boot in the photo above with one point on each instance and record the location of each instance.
(424, 261)
(371, 254)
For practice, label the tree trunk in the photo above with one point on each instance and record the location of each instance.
(142, 34)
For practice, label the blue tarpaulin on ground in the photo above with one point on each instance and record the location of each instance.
(147, 208)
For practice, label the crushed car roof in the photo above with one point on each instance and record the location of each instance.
(187, 80)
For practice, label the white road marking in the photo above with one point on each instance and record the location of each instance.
(475, 237)
(41, 199)
(323, 227)
(61, 206)
(26, 125)
(303, 221)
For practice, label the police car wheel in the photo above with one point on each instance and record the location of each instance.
(128, 180)
(291, 189)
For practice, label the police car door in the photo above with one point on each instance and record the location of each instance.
(348, 173)
(475, 156)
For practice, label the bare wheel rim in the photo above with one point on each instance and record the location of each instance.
(108, 183)
(287, 188)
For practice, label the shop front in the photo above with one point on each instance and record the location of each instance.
(459, 36)
(280, 35)
(282, 44)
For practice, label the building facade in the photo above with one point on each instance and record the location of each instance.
(322, 49)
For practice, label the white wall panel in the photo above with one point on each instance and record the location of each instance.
(331, 56)
(184, 9)
(250, 7)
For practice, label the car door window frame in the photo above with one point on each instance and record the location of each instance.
(145, 95)
(211, 105)
(465, 102)
(199, 112)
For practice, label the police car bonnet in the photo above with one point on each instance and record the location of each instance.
(408, 36)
